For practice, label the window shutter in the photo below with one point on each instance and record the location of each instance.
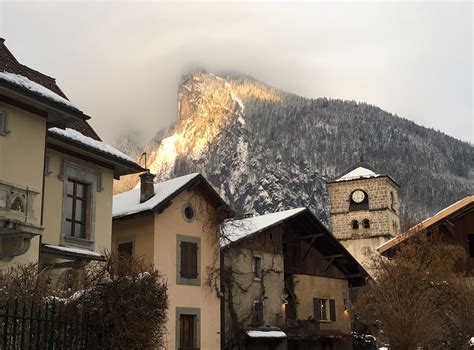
(317, 310)
(258, 313)
(332, 309)
(193, 263)
(189, 261)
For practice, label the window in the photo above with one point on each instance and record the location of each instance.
(366, 223)
(3, 198)
(187, 324)
(257, 267)
(189, 213)
(355, 224)
(258, 319)
(392, 201)
(470, 238)
(76, 209)
(187, 328)
(125, 249)
(324, 309)
(188, 260)
(4, 123)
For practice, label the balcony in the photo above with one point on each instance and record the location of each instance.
(18, 224)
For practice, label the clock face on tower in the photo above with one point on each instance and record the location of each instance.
(358, 196)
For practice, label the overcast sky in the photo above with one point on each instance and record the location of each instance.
(120, 62)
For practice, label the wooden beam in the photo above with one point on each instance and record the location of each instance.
(335, 256)
(354, 275)
(313, 236)
(309, 248)
(329, 264)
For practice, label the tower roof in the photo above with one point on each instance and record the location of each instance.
(361, 171)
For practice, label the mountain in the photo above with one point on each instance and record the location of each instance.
(265, 150)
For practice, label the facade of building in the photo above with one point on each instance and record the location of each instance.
(306, 294)
(56, 175)
(456, 225)
(174, 225)
(364, 210)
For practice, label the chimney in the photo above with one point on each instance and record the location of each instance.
(146, 186)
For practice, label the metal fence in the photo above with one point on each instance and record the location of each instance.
(51, 325)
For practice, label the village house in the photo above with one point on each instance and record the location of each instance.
(455, 224)
(175, 225)
(56, 175)
(365, 210)
(286, 283)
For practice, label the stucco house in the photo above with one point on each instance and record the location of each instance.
(175, 225)
(287, 281)
(56, 174)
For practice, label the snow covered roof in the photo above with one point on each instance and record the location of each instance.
(266, 334)
(441, 215)
(358, 173)
(27, 84)
(234, 230)
(71, 252)
(100, 146)
(128, 203)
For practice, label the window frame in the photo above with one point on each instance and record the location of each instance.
(91, 178)
(4, 130)
(330, 307)
(125, 240)
(196, 312)
(256, 275)
(182, 279)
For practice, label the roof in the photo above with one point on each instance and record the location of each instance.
(360, 171)
(105, 154)
(321, 237)
(20, 78)
(425, 224)
(128, 203)
(235, 230)
(71, 252)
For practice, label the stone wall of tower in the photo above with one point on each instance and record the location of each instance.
(382, 214)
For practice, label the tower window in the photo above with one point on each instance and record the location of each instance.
(392, 201)
(366, 223)
(355, 224)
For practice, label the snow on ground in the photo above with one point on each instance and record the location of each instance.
(234, 230)
(88, 141)
(36, 88)
(359, 172)
(266, 334)
(127, 203)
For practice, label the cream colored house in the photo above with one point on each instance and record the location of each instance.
(55, 174)
(174, 225)
(290, 284)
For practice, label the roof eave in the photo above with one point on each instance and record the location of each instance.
(120, 166)
(26, 94)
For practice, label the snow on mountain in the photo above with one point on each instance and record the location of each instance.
(266, 150)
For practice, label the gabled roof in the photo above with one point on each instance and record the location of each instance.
(235, 230)
(127, 204)
(443, 214)
(360, 171)
(321, 238)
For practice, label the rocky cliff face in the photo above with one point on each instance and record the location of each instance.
(266, 150)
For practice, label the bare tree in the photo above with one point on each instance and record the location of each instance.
(419, 299)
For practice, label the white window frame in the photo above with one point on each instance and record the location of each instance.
(4, 123)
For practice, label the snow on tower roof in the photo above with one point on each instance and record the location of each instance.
(358, 173)
(234, 230)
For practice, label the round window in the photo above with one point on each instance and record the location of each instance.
(189, 212)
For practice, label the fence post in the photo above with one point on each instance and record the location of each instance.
(5, 326)
(53, 314)
(30, 336)
(14, 319)
(22, 338)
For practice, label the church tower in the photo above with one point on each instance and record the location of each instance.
(364, 210)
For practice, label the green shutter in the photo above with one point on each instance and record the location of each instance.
(332, 309)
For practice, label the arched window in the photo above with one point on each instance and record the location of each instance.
(366, 223)
(355, 224)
